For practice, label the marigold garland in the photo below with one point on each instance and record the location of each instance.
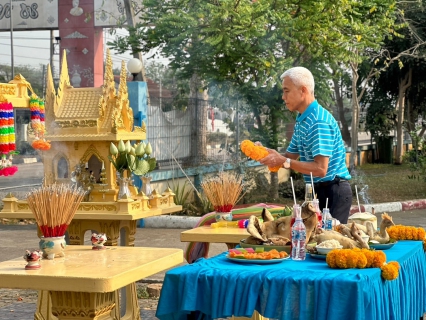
(400, 232)
(255, 152)
(362, 258)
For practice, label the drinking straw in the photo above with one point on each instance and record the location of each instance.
(292, 187)
(313, 189)
(357, 199)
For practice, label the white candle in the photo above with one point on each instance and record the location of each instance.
(103, 166)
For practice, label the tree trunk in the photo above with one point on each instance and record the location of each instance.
(355, 117)
(346, 135)
(404, 84)
(198, 104)
(273, 191)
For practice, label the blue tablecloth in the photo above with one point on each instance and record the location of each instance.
(218, 287)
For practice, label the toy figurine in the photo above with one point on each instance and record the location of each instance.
(98, 241)
(33, 259)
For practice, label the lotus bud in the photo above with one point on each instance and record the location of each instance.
(121, 146)
(128, 147)
(132, 159)
(113, 149)
(148, 148)
(140, 150)
(132, 151)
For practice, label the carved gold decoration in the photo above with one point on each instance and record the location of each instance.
(76, 123)
(8, 89)
(23, 206)
(22, 85)
(64, 80)
(67, 304)
(164, 200)
(136, 205)
(91, 150)
(97, 207)
(108, 89)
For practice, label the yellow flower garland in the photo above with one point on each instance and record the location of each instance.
(362, 258)
(255, 152)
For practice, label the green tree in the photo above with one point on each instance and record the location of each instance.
(250, 43)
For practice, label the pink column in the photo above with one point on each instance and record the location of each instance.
(82, 42)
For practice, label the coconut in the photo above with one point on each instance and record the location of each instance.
(362, 218)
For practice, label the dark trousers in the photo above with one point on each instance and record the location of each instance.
(339, 194)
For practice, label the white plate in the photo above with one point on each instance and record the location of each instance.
(318, 256)
(257, 261)
(381, 246)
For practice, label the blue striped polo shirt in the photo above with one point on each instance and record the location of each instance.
(316, 132)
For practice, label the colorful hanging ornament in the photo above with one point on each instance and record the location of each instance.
(35, 114)
(38, 123)
(6, 167)
(7, 128)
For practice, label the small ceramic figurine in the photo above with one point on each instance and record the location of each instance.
(98, 240)
(33, 259)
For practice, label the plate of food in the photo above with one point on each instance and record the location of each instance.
(248, 255)
(257, 261)
(381, 246)
(265, 247)
(318, 256)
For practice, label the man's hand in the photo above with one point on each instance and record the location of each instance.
(273, 159)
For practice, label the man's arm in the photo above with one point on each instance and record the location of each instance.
(318, 167)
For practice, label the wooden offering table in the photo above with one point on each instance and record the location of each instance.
(230, 236)
(86, 282)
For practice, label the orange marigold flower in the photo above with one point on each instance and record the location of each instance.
(255, 152)
(390, 270)
(369, 255)
(379, 259)
(331, 259)
(421, 234)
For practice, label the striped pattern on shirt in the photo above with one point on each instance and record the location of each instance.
(316, 132)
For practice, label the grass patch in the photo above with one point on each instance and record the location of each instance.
(389, 183)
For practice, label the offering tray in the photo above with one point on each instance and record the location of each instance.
(381, 246)
(257, 261)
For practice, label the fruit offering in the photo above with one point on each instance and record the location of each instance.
(249, 253)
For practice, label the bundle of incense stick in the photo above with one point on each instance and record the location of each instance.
(54, 207)
(223, 191)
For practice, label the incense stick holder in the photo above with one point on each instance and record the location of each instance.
(98, 240)
(33, 259)
(223, 216)
(52, 247)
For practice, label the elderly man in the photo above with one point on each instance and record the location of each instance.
(316, 145)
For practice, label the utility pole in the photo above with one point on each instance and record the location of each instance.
(130, 15)
(11, 41)
(52, 52)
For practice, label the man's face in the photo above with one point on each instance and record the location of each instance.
(292, 95)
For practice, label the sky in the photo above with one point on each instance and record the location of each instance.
(33, 48)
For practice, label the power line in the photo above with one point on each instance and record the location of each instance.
(17, 45)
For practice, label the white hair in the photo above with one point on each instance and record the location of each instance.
(300, 77)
